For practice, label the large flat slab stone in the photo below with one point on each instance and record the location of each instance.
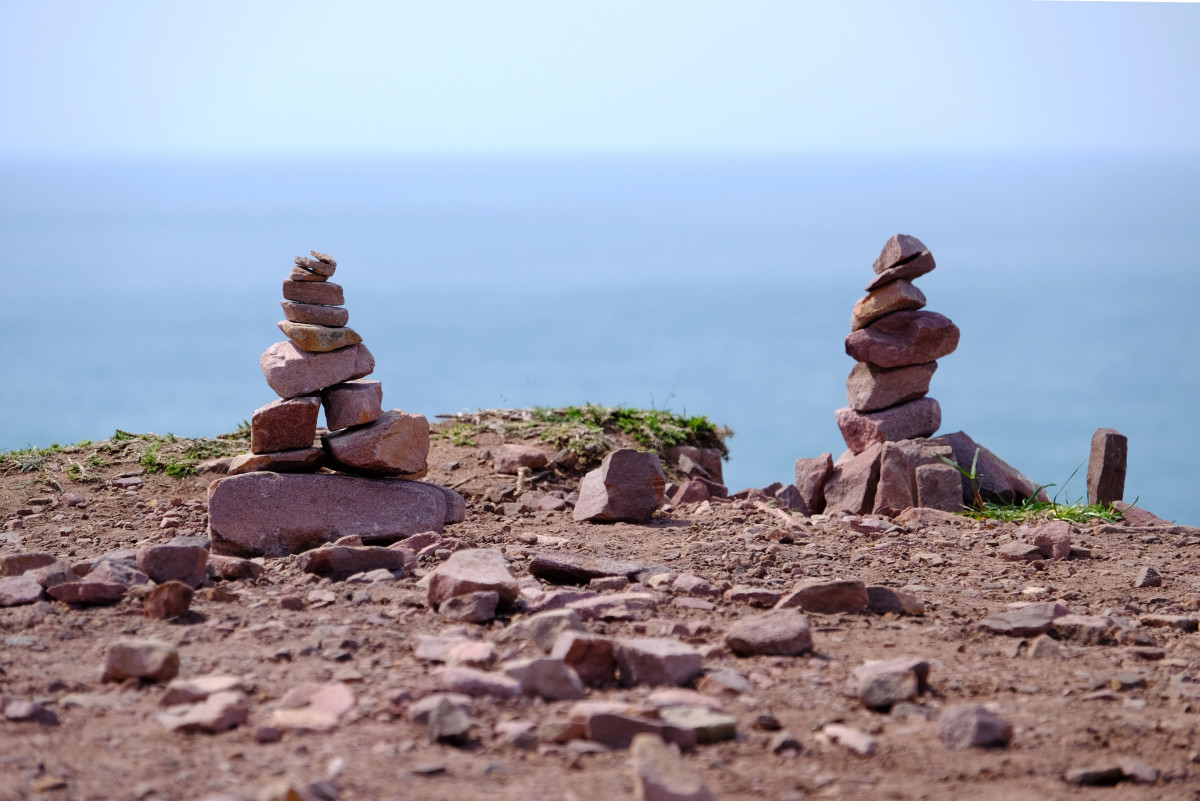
(276, 514)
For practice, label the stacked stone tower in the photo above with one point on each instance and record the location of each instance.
(897, 347)
(258, 509)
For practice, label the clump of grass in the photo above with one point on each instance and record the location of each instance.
(461, 434)
(1031, 509)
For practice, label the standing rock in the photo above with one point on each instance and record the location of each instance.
(352, 403)
(851, 485)
(184, 563)
(659, 773)
(473, 570)
(904, 338)
(284, 425)
(628, 485)
(973, 726)
(168, 600)
(151, 660)
(292, 372)
(811, 475)
(697, 462)
(395, 444)
(918, 418)
(1106, 467)
(511, 457)
(782, 632)
(870, 388)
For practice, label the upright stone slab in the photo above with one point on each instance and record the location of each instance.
(284, 425)
(292, 372)
(1106, 467)
(851, 486)
(811, 475)
(903, 338)
(276, 514)
(395, 444)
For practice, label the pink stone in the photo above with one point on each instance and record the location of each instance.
(811, 475)
(628, 485)
(1053, 539)
(998, 480)
(900, 248)
(548, 678)
(152, 660)
(232, 568)
(353, 403)
(87, 592)
(304, 460)
(904, 338)
(660, 774)
(18, 590)
(919, 418)
(473, 570)
(657, 661)
(284, 425)
(395, 444)
(301, 274)
(342, 561)
(780, 632)
(275, 514)
(905, 469)
(870, 388)
(827, 596)
(220, 711)
(292, 372)
(1018, 552)
(939, 486)
(564, 567)
(321, 263)
(851, 485)
(116, 568)
(184, 563)
(331, 316)
(14, 564)
(511, 457)
(324, 293)
(914, 268)
(168, 600)
(692, 492)
(591, 655)
(313, 707)
(476, 683)
(894, 296)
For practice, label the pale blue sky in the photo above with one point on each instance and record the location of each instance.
(259, 77)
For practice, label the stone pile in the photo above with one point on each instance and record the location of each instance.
(897, 347)
(263, 507)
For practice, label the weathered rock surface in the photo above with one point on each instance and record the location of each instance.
(1028, 621)
(473, 570)
(562, 567)
(15, 564)
(352, 403)
(827, 596)
(302, 460)
(973, 726)
(870, 388)
(292, 372)
(657, 661)
(274, 514)
(342, 561)
(851, 485)
(897, 250)
(780, 632)
(395, 444)
(918, 418)
(284, 425)
(811, 475)
(313, 314)
(318, 338)
(904, 338)
(659, 774)
(184, 563)
(323, 293)
(313, 707)
(893, 296)
(1106, 466)
(998, 481)
(511, 457)
(697, 462)
(149, 660)
(628, 485)
(18, 590)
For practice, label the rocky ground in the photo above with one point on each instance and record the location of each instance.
(357, 689)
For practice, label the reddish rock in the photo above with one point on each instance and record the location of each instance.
(881, 685)
(827, 596)
(904, 338)
(628, 485)
(301, 274)
(545, 627)
(57, 572)
(275, 514)
(622, 606)
(475, 683)
(692, 492)
(395, 444)
(592, 656)
(23, 711)
(919, 418)
(332, 316)
(115, 569)
(811, 475)
(473, 570)
(18, 590)
(1106, 466)
(998, 481)
(292, 372)
(913, 268)
(284, 425)
(473, 607)
(323, 293)
(1019, 551)
(1147, 577)
(195, 690)
(1084, 629)
(15, 564)
(894, 492)
(1028, 621)
(184, 563)
(320, 263)
(340, 561)
(313, 707)
(973, 726)
(656, 661)
(781, 632)
(220, 711)
(882, 600)
(870, 388)
(893, 296)
(659, 774)
(304, 460)
(233, 568)
(1137, 516)
(900, 486)
(851, 484)
(149, 660)
(318, 338)
(87, 592)
(755, 596)
(168, 600)
(897, 250)
(352, 403)
(511, 457)
(564, 567)
(551, 678)
(1053, 539)
(939, 486)
(697, 462)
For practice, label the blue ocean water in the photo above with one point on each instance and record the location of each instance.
(139, 294)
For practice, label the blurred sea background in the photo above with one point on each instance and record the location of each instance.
(139, 293)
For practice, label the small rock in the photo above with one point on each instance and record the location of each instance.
(1106, 466)
(313, 707)
(150, 660)
(1148, 577)
(284, 425)
(827, 597)
(881, 685)
(1094, 776)
(707, 725)
(1053, 539)
(1019, 552)
(340, 561)
(755, 596)
(352, 403)
(18, 590)
(628, 485)
(659, 774)
(292, 372)
(167, 601)
(1044, 647)
(448, 722)
(551, 678)
(473, 570)
(162, 563)
(546, 627)
(476, 683)
(1028, 621)
(562, 567)
(859, 742)
(882, 600)
(22, 711)
(592, 656)
(318, 338)
(657, 661)
(218, 712)
(474, 607)
(16, 564)
(511, 457)
(973, 726)
(782, 631)
(195, 690)
(394, 444)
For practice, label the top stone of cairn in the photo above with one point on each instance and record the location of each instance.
(900, 248)
(320, 264)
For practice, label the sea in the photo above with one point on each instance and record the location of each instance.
(138, 294)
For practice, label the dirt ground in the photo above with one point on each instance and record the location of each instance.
(1071, 706)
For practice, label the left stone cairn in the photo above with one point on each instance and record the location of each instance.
(361, 473)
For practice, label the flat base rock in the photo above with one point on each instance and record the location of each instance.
(276, 514)
(919, 418)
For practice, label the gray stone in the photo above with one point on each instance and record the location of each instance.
(881, 685)
(1106, 467)
(1028, 621)
(548, 678)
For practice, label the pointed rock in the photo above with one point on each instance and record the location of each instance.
(628, 485)
(897, 250)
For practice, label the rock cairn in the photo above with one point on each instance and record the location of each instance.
(262, 507)
(897, 347)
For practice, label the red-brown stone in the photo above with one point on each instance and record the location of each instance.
(284, 425)
(352, 403)
(395, 444)
(903, 338)
(292, 372)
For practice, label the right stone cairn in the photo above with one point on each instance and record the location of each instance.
(897, 347)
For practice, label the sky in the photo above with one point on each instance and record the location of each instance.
(358, 78)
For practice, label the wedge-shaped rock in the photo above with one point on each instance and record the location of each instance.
(897, 250)
(628, 485)
(870, 388)
(332, 316)
(275, 514)
(395, 444)
(904, 338)
(919, 418)
(913, 268)
(292, 372)
(318, 338)
(851, 485)
(894, 296)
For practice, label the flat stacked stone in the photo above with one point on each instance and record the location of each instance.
(896, 346)
(322, 363)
